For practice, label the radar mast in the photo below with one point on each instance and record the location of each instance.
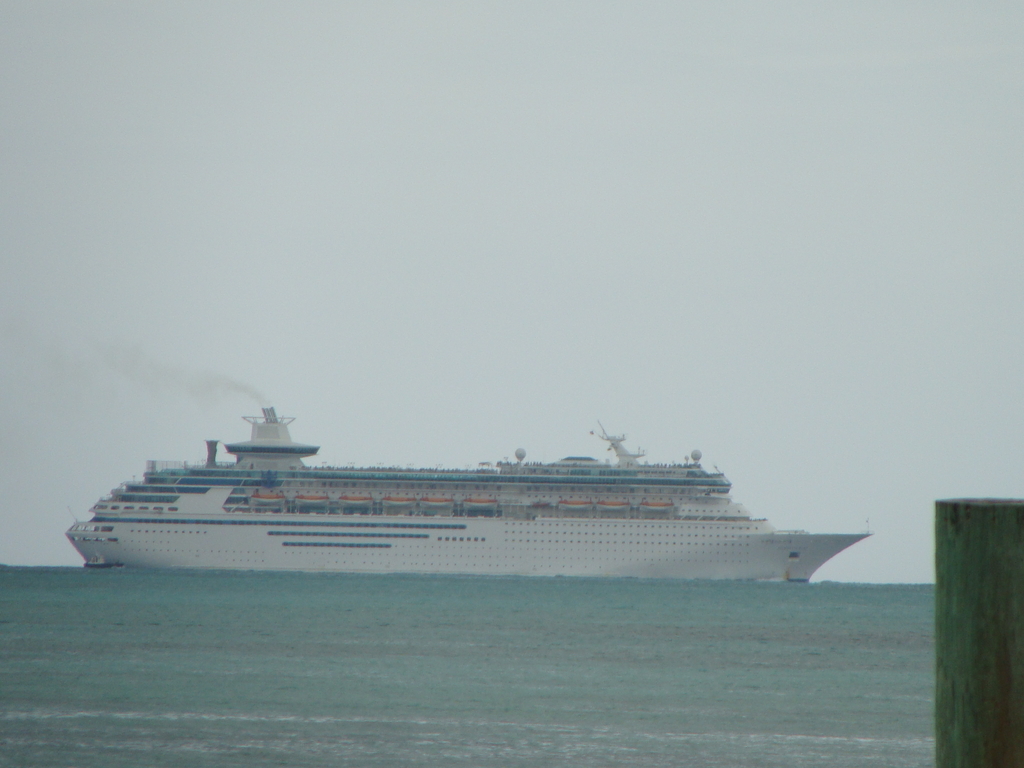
(626, 459)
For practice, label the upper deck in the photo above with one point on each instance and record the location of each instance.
(682, 476)
(269, 475)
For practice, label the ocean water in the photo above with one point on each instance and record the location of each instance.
(162, 668)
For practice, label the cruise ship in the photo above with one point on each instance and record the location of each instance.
(579, 516)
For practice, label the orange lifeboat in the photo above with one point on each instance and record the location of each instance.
(613, 504)
(399, 501)
(480, 502)
(312, 497)
(355, 501)
(436, 501)
(660, 506)
(268, 496)
(575, 503)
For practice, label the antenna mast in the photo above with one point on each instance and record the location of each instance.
(626, 459)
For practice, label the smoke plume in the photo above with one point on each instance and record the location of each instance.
(134, 365)
(91, 364)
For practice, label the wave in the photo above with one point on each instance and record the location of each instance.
(602, 731)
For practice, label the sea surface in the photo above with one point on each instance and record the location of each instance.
(178, 668)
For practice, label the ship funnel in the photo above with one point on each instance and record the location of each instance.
(271, 447)
(211, 453)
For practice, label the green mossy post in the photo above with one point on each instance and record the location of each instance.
(979, 633)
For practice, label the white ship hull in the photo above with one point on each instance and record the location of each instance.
(406, 544)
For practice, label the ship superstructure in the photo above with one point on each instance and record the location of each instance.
(576, 516)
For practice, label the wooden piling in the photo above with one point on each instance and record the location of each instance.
(979, 633)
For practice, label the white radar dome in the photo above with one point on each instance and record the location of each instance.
(520, 454)
(696, 455)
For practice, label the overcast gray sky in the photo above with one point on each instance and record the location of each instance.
(788, 234)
